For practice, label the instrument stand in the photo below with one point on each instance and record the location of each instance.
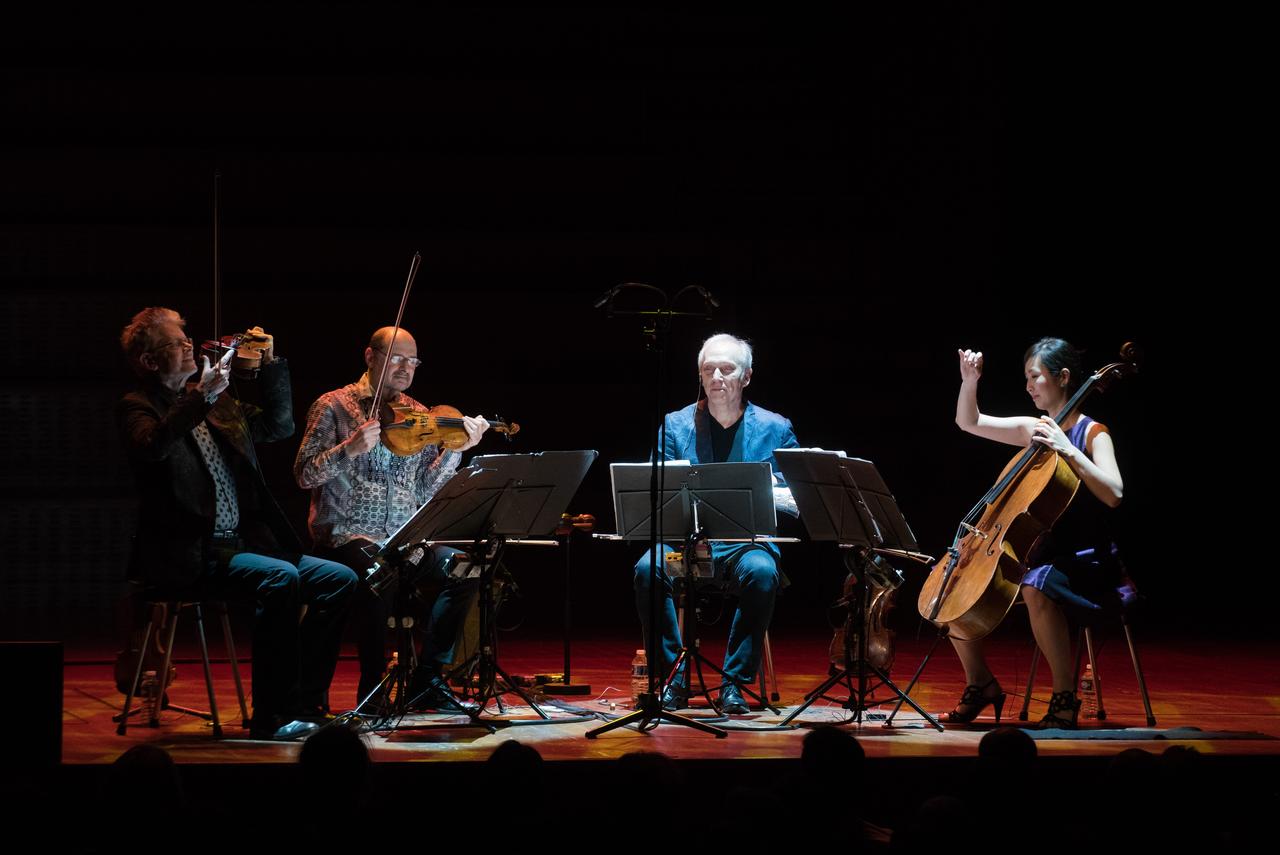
(859, 667)
(844, 499)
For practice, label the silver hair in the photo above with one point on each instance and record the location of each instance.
(142, 334)
(744, 349)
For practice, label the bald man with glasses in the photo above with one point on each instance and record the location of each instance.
(361, 493)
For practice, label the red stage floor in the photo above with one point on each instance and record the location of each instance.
(1217, 686)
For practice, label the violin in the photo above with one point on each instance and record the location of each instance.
(883, 581)
(406, 431)
(243, 352)
(972, 589)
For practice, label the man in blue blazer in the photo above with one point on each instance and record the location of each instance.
(724, 428)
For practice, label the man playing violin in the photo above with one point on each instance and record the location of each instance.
(723, 428)
(361, 493)
(208, 527)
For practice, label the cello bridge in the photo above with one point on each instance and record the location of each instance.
(977, 532)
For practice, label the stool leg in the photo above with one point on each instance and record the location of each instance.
(1031, 682)
(1097, 678)
(1137, 671)
(123, 727)
(208, 670)
(235, 663)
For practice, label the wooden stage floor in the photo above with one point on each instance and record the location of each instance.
(1223, 688)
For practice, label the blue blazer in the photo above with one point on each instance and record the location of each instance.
(689, 436)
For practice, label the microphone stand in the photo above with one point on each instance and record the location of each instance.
(656, 330)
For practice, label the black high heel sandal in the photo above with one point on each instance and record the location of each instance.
(1061, 702)
(976, 700)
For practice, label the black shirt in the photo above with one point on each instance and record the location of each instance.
(722, 441)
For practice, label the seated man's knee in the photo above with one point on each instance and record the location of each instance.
(644, 572)
(345, 582)
(758, 571)
(280, 579)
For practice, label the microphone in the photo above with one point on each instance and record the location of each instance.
(606, 297)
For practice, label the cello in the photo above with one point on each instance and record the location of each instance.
(973, 587)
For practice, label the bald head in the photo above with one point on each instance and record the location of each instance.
(381, 338)
(402, 354)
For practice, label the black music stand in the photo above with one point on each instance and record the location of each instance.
(498, 499)
(844, 499)
(704, 502)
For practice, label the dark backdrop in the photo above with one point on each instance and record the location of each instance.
(862, 193)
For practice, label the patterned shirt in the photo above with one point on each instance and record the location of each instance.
(368, 496)
(227, 513)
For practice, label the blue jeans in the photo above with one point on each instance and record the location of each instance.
(750, 571)
(293, 663)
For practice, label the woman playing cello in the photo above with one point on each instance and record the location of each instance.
(1073, 569)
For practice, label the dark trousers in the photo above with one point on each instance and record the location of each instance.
(750, 571)
(294, 655)
(372, 610)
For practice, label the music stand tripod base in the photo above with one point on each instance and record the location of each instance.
(651, 711)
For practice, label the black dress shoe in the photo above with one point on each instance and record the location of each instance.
(731, 702)
(675, 698)
(437, 696)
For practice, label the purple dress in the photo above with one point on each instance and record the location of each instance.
(1076, 564)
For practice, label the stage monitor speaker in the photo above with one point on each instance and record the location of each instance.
(31, 702)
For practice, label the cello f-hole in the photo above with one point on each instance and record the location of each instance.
(991, 547)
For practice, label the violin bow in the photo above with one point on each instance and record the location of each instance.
(386, 363)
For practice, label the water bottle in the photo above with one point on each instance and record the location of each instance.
(151, 695)
(639, 677)
(1088, 693)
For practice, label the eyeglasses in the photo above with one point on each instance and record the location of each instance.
(182, 342)
(398, 359)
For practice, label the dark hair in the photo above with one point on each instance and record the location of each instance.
(1055, 354)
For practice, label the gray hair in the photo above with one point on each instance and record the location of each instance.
(744, 349)
(142, 335)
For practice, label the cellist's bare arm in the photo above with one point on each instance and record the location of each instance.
(1097, 469)
(1012, 430)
